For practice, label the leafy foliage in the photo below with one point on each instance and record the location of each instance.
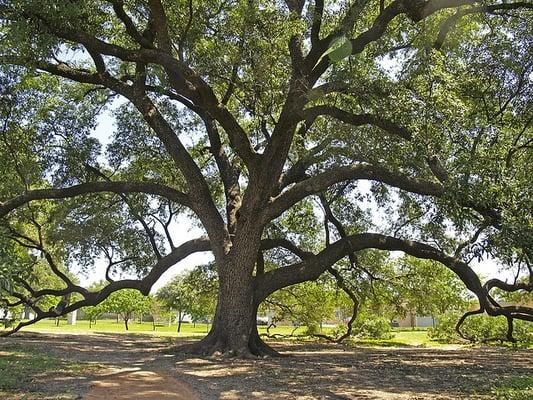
(127, 302)
(192, 292)
(480, 328)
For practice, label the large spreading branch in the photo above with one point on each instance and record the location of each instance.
(310, 115)
(307, 73)
(451, 21)
(182, 79)
(200, 199)
(144, 285)
(311, 268)
(324, 180)
(228, 172)
(92, 188)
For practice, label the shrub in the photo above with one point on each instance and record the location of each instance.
(444, 329)
(312, 329)
(372, 327)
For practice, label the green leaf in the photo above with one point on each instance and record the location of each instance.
(339, 49)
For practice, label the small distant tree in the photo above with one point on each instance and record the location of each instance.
(126, 303)
(175, 296)
(94, 312)
(158, 310)
(308, 304)
(192, 293)
(202, 284)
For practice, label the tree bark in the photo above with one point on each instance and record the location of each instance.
(234, 327)
(179, 321)
(234, 316)
(234, 331)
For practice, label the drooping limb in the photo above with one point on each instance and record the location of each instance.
(93, 298)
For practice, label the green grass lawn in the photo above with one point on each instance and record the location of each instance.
(112, 326)
(402, 337)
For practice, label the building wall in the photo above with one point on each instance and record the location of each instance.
(414, 321)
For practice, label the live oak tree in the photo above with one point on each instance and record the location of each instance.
(260, 120)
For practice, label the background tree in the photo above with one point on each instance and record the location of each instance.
(127, 303)
(242, 115)
(192, 292)
(202, 285)
(309, 304)
(429, 289)
(176, 296)
(94, 312)
(159, 311)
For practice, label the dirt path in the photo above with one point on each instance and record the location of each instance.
(135, 367)
(130, 367)
(140, 384)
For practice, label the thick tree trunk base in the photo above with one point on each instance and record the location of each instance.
(218, 345)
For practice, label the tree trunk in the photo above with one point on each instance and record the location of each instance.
(179, 321)
(126, 323)
(234, 327)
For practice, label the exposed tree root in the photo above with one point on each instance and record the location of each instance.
(218, 346)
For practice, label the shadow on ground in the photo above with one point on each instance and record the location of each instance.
(323, 371)
(83, 359)
(312, 370)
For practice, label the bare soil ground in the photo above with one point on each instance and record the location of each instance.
(134, 366)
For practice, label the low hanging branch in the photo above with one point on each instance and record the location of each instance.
(94, 298)
(313, 266)
(91, 188)
(355, 308)
(355, 304)
(341, 283)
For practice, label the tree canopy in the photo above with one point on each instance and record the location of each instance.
(295, 133)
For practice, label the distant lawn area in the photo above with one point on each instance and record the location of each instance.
(112, 326)
(402, 337)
